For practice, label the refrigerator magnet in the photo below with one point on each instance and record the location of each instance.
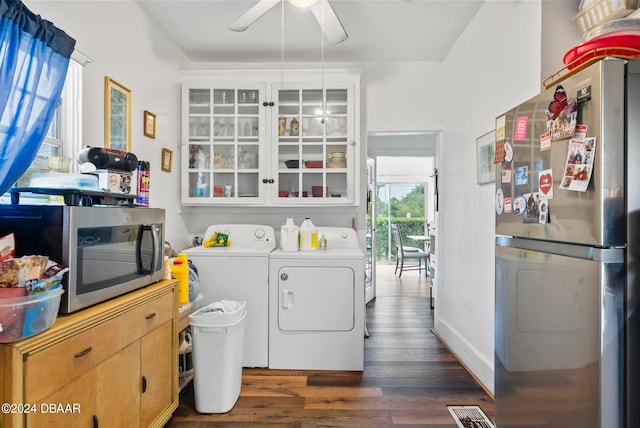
(580, 134)
(506, 175)
(564, 125)
(533, 207)
(508, 151)
(507, 205)
(521, 175)
(543, 211)
(499, 201)
(559, 103)
(579, 166)
(545, 141)
(519, 205)
(545, 183)
(520, 133)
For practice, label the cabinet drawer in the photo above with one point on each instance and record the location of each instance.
(55, 366)
(141, 320)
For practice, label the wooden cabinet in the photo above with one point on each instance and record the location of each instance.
(113, 364)
(270, 140)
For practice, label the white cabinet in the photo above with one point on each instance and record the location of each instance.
(223, 143)
(269, 141)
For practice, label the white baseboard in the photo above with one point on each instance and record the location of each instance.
(479, 367)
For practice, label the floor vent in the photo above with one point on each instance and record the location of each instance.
(470, 417)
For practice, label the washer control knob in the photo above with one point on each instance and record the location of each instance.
(284, 277)
(259, 233)
(344, 236)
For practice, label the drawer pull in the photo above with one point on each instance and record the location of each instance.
(83, 353)
(95, 421)
(144, 384)
(149, 316)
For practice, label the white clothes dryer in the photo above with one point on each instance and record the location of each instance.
(240, 272)
(316, 305)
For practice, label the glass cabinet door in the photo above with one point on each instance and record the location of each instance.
(224, 144)
(313, 154)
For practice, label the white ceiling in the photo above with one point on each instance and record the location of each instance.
(379, 30)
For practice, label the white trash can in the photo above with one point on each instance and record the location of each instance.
(217, 333)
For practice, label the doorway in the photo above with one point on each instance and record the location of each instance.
(400, 169)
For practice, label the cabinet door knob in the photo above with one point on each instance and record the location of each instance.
(265, 104)
(144, 384)
(95, 421)
(271, 103)
(83, 353)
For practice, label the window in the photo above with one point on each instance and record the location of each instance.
(64, 135)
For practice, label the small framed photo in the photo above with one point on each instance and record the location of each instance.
(167, 159)
(149, 124)
(485, 151)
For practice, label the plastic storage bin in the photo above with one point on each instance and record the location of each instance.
(22, 317)
(217, 333)
(594, 13)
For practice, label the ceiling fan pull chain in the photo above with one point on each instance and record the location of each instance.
(282, 46)
(324, 96)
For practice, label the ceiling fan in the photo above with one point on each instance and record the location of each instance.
(327, 18)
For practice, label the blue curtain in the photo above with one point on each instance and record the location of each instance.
(34, 57)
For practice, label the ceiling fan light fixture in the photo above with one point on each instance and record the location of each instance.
(303, 3)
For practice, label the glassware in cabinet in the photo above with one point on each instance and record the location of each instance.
(199, 184)
(224, 147)
(304, 157)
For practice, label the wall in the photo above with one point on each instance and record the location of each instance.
(128, 47)
(559, 34)
(495, 65)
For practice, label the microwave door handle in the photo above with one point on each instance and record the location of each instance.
(141, 271)
(156, 258)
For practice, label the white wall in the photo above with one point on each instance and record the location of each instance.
(406, 96)
(496, 65)
(128, 47)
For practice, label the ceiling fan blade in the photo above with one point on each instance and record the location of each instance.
(332, 27)
(252, 15)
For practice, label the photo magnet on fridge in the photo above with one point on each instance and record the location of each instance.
(533, 201)
(543, 208)
(522, 176)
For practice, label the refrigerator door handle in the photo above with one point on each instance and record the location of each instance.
(602, 255)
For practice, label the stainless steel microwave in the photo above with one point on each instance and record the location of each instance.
(110, 250)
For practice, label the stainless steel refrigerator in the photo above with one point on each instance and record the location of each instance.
(567, 333)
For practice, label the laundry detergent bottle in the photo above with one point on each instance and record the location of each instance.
(308, 236)
(289, 236)
(180, 271)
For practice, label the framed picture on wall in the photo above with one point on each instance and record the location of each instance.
(117, 115)
(167, 158)
(485, 151)
(149, 124)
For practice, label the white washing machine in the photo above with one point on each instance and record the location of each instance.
(240, 272)
(316, 305)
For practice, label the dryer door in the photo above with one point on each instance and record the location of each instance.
(316, 298)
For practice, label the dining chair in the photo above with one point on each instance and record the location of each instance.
(407, 253)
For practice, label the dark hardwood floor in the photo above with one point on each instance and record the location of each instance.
(408, 380)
